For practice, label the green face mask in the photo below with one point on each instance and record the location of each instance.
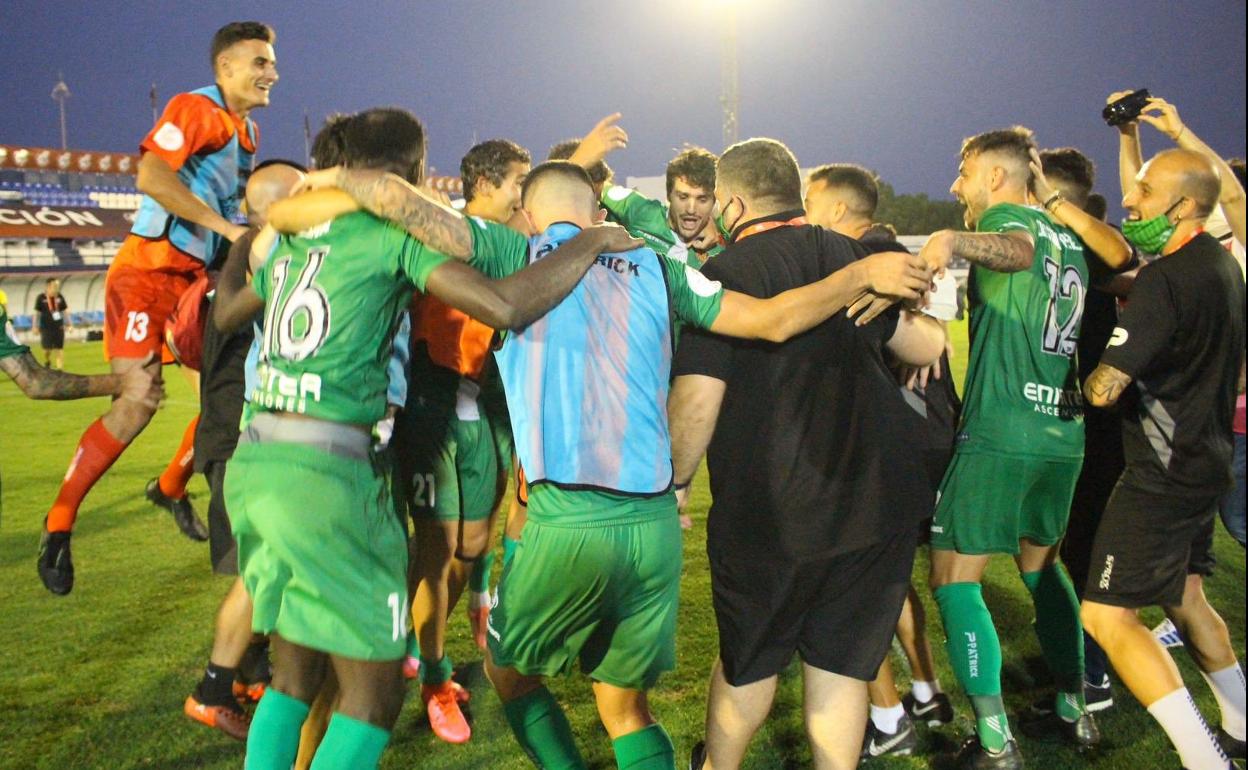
(1150, 235)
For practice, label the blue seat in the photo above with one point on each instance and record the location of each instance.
(23, 323)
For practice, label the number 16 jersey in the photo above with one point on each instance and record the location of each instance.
(1022, 393)
(332, 297)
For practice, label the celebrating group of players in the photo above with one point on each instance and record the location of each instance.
(370, 352)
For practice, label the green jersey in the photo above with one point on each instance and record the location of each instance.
(8, 345)
(332, 297)
(647, 219)
(499, 251)
(1022, 392)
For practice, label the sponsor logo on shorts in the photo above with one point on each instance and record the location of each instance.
(1119, 337)
(972, 654)
(1107, 572)
(1065, 403)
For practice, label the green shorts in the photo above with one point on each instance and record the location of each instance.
(320, 550)
(987, 502)
(606, 595)
(447, 469)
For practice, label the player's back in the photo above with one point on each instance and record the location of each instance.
(1022, 388)
(333, 295)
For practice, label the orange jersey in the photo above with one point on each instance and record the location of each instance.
(455, 341)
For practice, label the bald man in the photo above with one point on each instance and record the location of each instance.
(1181, 341)
(236, 655)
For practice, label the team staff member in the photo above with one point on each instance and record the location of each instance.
(50, 309)
(1181, 341)
(194, 165)
(779, 558)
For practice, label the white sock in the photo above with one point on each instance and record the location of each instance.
(1179, 717)
(886, 719)
(924, 691)
(1228, 688)
(478, 600)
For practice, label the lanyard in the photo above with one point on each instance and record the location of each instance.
(763, 227)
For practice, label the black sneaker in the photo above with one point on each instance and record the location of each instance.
(1233, 747)
(1098, 696)
(877, 743)
(935, 712)
(974, 756)
(183, 513)
(56, 567)
(1083, 733)
(697, 757)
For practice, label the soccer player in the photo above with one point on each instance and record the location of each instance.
(683, 228)
(138, 385)
(1181, 341)
(194, 165)
(321, 550)
(237, 665)
(843, 197)
(448, 463)
(596, 577)
(1022, 421)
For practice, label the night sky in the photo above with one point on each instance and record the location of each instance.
(892, 85)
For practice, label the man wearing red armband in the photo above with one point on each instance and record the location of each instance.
(194, 165)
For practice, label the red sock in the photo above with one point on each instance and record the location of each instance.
(173, 481)
(97, 451)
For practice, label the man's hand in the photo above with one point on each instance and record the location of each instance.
(918, 376)
(318, 180)
(143, 385)
(938, 251)
(1039, 183)
(613, 239)
(235, 232)
(604, 138)
(898, 274)
(1163, 116)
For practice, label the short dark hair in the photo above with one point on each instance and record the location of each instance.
(696, 166)
(863, 185)
(1015, 142)
(564, 169)
(600, 172)
(238, 31)
(50, 280)
(879, 231)
(489, 159)
(763, 170)
(385, 138)
(1072, 169)
(1096, 206)
(302, 169)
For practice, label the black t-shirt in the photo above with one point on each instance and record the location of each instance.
(222, 386)
(1181, 338)
(46, 310)
(815, 452)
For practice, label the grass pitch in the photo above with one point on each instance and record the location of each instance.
(97, 679)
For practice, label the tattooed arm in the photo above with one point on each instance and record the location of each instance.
(439, 227)
(1105, 386)
(42, 383)
(1008, 252)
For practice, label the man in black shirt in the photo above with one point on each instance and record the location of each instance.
(50, 310)
(813, 480)
(1181, 340)
(221, 406)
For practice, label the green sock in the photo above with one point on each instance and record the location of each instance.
(273, 740)
(509, 550)
(413, 644)
(543, 731)
(435, 671)
(479, 578)
(647, 749)
(975, 655)
(1061, 635)
(349, 744)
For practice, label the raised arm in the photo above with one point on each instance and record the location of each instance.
(1008, 252)
(155, 178)
(439, 227)
(1130, 157)
(897, 275)
(1104, 241)
(521, 298)
(604, 138)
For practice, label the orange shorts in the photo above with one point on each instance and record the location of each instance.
(138, 299)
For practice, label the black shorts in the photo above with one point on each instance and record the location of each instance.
(838, 613)
(1102, 466)
(1147, 545)
(222, 547)
(52, 339)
